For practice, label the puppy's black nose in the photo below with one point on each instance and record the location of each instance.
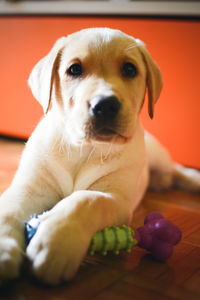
(105, 108)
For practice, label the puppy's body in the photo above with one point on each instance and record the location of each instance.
(88, 161)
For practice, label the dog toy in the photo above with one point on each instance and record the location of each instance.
(158, 235)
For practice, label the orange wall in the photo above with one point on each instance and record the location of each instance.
(175, 45)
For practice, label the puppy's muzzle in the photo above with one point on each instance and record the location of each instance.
(104, 112)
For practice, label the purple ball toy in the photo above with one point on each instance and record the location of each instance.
(158, 235)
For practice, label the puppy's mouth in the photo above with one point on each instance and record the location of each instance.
(107, 135)
(107, 132)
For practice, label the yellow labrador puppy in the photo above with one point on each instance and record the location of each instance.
(88, 161)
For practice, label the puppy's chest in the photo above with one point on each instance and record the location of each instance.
(77, 168)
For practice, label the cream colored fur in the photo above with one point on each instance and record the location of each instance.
(86, 182)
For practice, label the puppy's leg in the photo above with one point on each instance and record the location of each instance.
(16, 206)
(29, 193)
(63, 237)
(64, 234)
(164, 173)
(186, 178)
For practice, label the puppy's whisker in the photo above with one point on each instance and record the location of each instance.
(81, 149)
(109, 149)
(131, 47)
(102, 161)
(69, 152)
(90, 154)
(62, 143)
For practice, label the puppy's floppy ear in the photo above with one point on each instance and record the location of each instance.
(154, 78)
(41, 77)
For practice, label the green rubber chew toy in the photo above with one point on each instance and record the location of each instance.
(112, 239)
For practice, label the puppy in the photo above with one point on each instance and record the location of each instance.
(89, 160)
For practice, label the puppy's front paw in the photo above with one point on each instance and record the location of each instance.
(57, 250)
(10, 258)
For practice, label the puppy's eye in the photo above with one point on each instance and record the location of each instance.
(129, 70)
(75, 70)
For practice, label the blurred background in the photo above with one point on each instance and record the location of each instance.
(170, 30)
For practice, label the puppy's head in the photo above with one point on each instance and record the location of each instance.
(97, 79)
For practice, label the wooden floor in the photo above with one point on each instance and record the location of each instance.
(126, 276)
